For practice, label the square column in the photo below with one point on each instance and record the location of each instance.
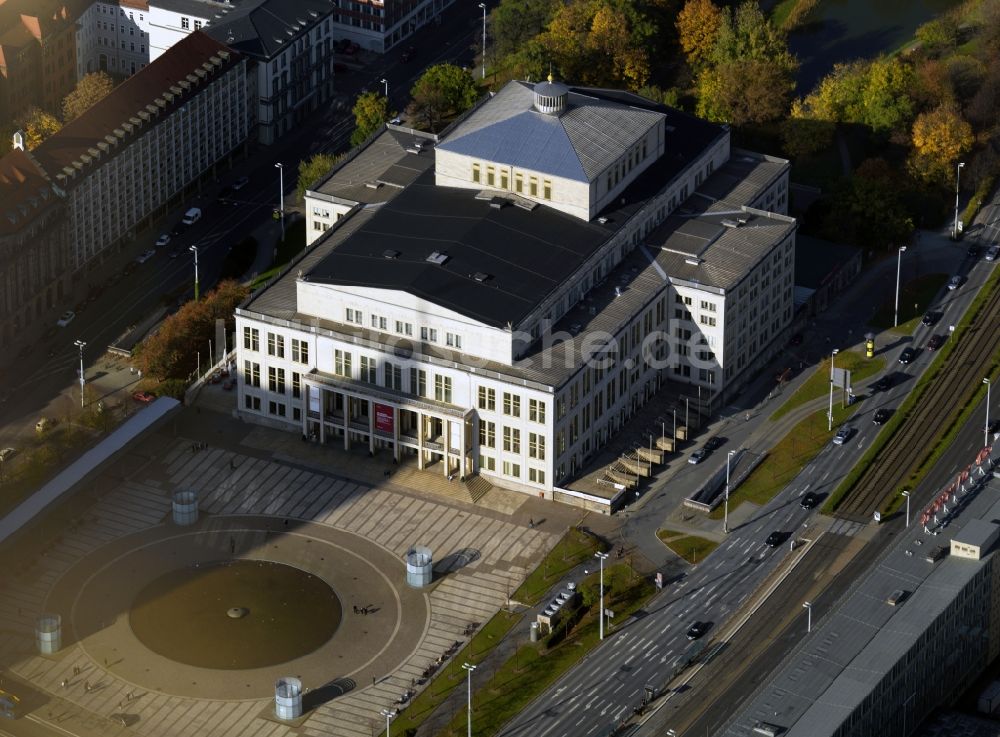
(347, 421)
(305, 409)
(420, 440)
(322, 416)
(446, 446)
(371, 426)
(395, 434)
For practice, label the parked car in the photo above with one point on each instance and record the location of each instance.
(907, 356)
(65, 318)
(698, 629)
(935, 342)
(698, 456)
(955, 282)
(145, 257)
(880, 416)
(163, 240)
(973, 252)
(714, 443)
(882, 384)
(144, 397)
(44, 424)
(809, 501)
(7, 453)
(993, 253)
(843, 435)
(931, 317)
(192, 216)
(774, 539)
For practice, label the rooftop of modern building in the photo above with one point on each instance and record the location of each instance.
(627, 290)
(863, 639)
(262, 29)
(205, 9)
(978, 532)
(151, 94)
(578, 143)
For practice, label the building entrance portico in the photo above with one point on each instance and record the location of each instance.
(338, 410)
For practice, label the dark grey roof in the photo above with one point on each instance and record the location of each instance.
(195, 8)
(262, 29)
(591, 134)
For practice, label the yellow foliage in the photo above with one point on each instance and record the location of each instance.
(697, 27)
(940, 137)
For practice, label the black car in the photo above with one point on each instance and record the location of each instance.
(714, 443)
(973, 251)
(697, 630)
(907, 355)
(880, 416)
(882, 384)
(774, 539)
(809, 501)
(930, 318)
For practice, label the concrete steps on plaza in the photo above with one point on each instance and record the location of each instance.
(434, 481)
(478, 487)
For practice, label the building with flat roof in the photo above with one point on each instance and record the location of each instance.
(875, 667)
(87, 188)
(502, 312)
(378, 25)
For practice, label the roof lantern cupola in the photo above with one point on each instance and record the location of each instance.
(550, 96)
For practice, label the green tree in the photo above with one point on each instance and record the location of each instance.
(371, 110)
(37, 126)
(514, 23)
(872, 93)
(697, 28)
(869, 209)
(311, 170)
(803, 136)
(940, 138)
(90, 90)
(747, 35)
(751, 91)
(442, 90)
(939, 35)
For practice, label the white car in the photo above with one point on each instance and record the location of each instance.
(145, 257)
(992, 253)
(955, 282)
(163, 240)
(65, 318)
(843, 434)
(7, 453)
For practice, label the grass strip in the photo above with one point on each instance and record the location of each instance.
(452, 675)
(575, 547)
(917, 395)
(787, 459)
(688, 547)
(535, 666)
(818, 384)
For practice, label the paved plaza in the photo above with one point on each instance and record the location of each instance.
(264, 495)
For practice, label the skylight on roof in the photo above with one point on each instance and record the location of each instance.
(438, 257)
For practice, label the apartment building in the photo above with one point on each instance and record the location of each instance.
(500, 300)
(107, 173)
(114, 37)
(378, 25)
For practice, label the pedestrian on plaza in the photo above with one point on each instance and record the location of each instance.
(531, 523)
(748, 417)
(232, 545)
(64, 683)
(86, 686)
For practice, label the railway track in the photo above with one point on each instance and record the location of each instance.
(964, 370)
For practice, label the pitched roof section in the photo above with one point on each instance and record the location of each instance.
(24, 191)
(142, 100)
(264, 28)
(578, 144)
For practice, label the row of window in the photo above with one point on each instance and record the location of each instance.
(378, 322)
(499, 178)
(511, 439)
(511, 469)
(487, 400)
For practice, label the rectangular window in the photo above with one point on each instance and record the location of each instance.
(547, 189)
(251, 374)
(368, 370)
(511, 469)
(511, 404)
(488, 434)
(185, 22)
(393, 376)
(418, 382)
(706, 320)
(252, 403)
(379, 323)
(276, 380)
(504, 182)
(404, 328)
(342, 363)
(487, 463)
(453, 340)
(442, 388)
(536, 446)
(536, 475)
(536, 410)
(487, 399)
(490, 176)
(276, 408)
(354, 316)
(251, 339)
(475, 173)
(197, 25)
(275, 345)
(519, 183)
(300, 351)
(296, 385)
(533, 186)
(512, 440)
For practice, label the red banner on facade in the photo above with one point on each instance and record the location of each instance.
(383, 418)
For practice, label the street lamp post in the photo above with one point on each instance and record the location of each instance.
(388, 715)
(602, 557)
(829, 423)
(986, 428)
(386, 83)
(281, 195)
(483, 6)
(81, 345)
(725, 514)
(194, 250)
(906, 494)
(958, 178)
(809, 616)
(899, 265)
(468, 669)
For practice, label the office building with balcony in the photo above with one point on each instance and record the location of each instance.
(501, 299)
